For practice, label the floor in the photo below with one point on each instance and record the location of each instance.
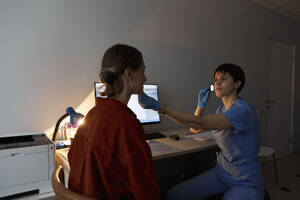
(287, 189)
(289, 178)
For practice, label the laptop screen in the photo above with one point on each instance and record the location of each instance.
(145, 116)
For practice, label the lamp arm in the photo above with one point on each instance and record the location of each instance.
(57, 125)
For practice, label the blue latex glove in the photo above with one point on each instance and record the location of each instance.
(148, 102)
(203, 97)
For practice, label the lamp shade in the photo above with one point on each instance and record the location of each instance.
(74, 116)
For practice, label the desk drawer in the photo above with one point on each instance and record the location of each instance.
(20, 168)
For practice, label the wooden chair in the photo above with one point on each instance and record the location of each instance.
(61, 192)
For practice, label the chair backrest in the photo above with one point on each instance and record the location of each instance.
(61, 192)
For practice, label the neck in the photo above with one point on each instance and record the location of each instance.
(124, 96)
(228, 100)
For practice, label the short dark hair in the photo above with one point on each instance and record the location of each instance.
(115, 60)
(235, 71)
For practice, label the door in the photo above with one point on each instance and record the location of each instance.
(279, 102)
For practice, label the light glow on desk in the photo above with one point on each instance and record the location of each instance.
(80, 122)
(83, 108)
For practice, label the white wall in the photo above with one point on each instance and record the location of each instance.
(50, 51)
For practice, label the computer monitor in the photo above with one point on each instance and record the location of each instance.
(146, 116)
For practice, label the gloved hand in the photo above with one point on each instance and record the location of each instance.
(148, 102)
(203, 97)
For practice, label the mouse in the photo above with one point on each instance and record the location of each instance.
(174, 137)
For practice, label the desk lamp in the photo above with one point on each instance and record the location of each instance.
(74, 118)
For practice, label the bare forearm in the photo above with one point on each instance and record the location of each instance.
(199, 113)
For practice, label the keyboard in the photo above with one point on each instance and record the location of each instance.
(155, 135)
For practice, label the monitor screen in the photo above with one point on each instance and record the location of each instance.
(145, 116)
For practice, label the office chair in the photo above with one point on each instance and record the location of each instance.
(61, 192)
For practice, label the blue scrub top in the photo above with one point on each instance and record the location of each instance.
(237, 162)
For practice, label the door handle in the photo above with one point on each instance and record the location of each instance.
(270, 101)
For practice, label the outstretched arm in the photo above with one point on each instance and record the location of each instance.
(208, 122)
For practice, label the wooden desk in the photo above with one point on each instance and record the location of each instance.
(187, 158)
(181, 147)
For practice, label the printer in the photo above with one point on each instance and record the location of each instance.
(27, 162)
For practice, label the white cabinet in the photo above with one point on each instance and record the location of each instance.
(26, 164)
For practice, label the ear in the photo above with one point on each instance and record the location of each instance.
(237, 84)
(128, 73)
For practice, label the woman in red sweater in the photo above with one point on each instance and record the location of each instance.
(109, 157)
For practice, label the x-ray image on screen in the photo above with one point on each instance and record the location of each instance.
(144, 115)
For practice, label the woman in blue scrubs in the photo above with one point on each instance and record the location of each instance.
(235, 127)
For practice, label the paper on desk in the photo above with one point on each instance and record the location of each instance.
(204, 136)
(159, 148)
